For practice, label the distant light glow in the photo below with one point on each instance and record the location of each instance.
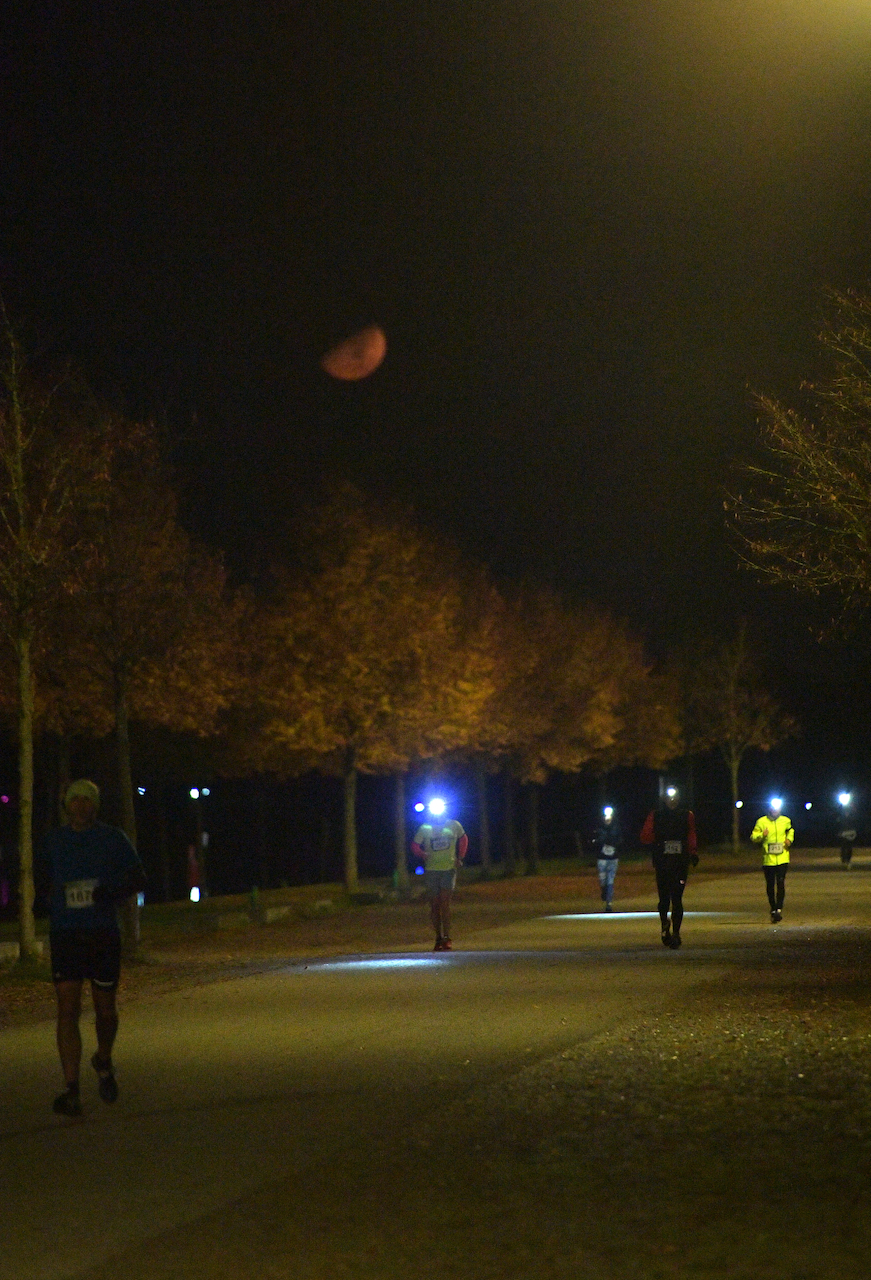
(419, 807)
(4, 799)
(775, 803)
(195, 894)
(844, 798)
(808, 805)
(608, 811)
(205, 792)
(418, 871)
(739, 804)
(437, 807)
(141, 790)
(671, 792)
(140, 899)
(194, 793)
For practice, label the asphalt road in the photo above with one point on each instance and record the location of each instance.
(235, 1096)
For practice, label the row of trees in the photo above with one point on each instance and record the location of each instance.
(376, 647)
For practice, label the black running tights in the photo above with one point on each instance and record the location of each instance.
(775, 884)
(670, 883)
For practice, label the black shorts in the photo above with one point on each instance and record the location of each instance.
(79, 954)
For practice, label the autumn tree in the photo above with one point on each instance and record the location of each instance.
(803, 513)
(53, 470)
(364, 660)
(729, 708)
(151, 624)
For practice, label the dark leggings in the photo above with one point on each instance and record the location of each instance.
(776, 876)
(671, 881)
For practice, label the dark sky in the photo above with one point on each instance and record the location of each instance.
(587, 229)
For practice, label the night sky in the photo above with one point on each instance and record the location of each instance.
(589, 230)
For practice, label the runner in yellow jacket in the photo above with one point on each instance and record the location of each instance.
(774, 832)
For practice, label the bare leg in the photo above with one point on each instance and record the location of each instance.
(106, 1021)
(445, 908)
(69, 1039)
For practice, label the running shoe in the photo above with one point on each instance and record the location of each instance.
(67, 1103)
(447, 945)
(666, 936)
(675, 941)
(108, 1085)
(779, 914)
(439, 944)
(775, 916)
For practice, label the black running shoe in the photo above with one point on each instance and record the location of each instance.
(67, 1103)
(108, 1086)
(666, 936)
(675, 941)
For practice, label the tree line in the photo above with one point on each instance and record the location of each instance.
(375, 647)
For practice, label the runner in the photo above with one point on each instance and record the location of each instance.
(93, 867)
(441, 846)
(608, 843)
(671, 830)
(774, 832)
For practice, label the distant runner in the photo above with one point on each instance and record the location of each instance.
(608, 843)
(671, 830)
(774, 832)
(441, 845)
(93, 867)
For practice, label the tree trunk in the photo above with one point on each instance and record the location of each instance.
(483, 823)
(401, 835)
(510, 834)
(532, 829)
(129, 909)
(352, 879)
(26, 923)
(64, 775)
(734, 763)
(163, 842)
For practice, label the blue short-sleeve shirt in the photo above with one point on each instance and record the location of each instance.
(78, 862)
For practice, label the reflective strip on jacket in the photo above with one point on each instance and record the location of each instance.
(773, 831)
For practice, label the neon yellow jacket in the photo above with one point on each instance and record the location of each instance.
(775, 835)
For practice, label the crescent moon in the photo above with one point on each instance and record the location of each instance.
(357, 356)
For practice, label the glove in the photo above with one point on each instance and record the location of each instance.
(694, 859)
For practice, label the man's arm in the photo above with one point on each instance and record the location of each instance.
(648, 834)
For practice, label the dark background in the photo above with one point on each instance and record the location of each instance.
(589, 230)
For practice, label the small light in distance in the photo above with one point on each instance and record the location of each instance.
(844, 799)
(195, 894)
(671, 792)
(4, 799)
(739, 804)
(608, 811)
(140, 899)
(437, 807)
(141, 790)
(808, 805)
(418, 871)
(419, 807)
(205, 792)
(194, 793)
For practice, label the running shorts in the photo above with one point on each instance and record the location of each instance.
(80, 954)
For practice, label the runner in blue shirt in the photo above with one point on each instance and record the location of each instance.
(93, 867)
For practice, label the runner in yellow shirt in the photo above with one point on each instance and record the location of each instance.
(774, 832)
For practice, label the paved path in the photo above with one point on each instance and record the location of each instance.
(231, 1089)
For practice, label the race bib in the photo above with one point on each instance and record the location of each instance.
(672, 848)
(774, 847)
(608, 851)
(80, 893)
(439, 843)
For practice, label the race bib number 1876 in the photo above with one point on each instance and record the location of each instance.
(80, 893)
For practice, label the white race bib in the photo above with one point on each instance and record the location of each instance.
(80, 893)
(608, 851)
(775, 847)
(439, 843)
(671, 848)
